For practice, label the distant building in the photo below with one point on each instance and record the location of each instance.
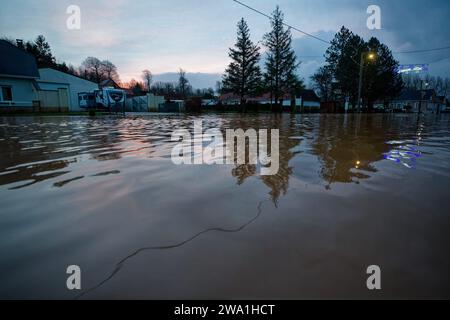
(229, 99)
(18, 75)
(110, 83)
(412, 100)
(305, 98)
(209, 102)
(24, 87)
(147, 103)
(154, 102)
(309, 99)
(54, 80)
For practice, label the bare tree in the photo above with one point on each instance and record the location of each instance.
(183, 83)
(147, 76)
(93, 69)
(110, 71)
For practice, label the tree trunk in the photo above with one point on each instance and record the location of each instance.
(370, 106)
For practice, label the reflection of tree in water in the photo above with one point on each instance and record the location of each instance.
(279, 183)
(242, 172)
(348, 146)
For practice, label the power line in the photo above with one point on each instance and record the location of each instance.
(436, 61)
(328, 42)
(432, 62)
(421, 51)
(287, 25)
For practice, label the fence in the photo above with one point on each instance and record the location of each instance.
(148, 103)
(137, 104)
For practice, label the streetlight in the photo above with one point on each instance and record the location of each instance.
(422, 94)
(371, 56)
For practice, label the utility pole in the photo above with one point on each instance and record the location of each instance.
(421, 94)
(360, 81)
(371, 56)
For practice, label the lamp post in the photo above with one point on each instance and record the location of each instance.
(370, 56)
(422, 94)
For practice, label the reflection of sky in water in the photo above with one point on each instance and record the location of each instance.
(403, 152)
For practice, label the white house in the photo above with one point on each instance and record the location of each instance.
(306, 98)
(411, 100)
(18, 74)
(52, 80)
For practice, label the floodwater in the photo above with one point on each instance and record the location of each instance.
(352, 191)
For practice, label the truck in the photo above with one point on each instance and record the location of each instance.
(110, 99)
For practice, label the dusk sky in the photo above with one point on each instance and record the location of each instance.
(196, 34)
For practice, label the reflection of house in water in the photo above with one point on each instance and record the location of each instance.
(32, 156)
(45, 150)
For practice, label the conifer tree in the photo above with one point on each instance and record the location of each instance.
(243, 75)
(281, 61)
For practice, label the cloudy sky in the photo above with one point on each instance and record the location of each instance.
(196, 34)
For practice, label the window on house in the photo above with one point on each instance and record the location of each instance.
(6, 93)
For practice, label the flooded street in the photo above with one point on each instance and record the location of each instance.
(102, 193)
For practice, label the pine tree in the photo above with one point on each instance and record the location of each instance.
(243, 75)
(281, 61)
(40, 48)
(343, 58)
(381, 80)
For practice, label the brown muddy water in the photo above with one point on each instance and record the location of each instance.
(103, 194)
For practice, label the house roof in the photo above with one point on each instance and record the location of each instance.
(109, 83)
(309, 95)
(228, 96)
(16, 62)
(44, 76)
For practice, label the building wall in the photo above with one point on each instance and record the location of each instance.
(54, 100)
(154, 102)
(49, 97)
(312, 104)
(427, 106)
(148, 103)
(23, 92)
(55, 79)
